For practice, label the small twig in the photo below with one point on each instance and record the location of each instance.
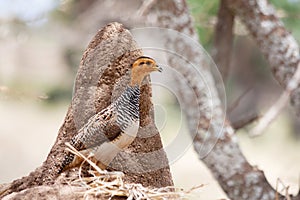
(111, 183)
(298, 194)
(195, 188)
(146, 6)
(277, 193)
(241, 123)
(274, 111)
(287, 193)
(77, 153)
(10, 93)
(284, 189)
(238, 100)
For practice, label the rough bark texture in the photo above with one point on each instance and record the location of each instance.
(236, 176)
(223, 39)
(276, 43)
(102, 76)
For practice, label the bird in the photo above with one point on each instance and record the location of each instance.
(115, 127)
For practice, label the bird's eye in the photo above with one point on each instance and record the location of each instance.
(142, 63)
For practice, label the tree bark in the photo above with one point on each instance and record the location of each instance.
(236, 176)
(223, 39)
(103, 73)
(214, 141)
(276, 43)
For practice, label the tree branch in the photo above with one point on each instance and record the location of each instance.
(236, 176)
(223, 39)
(278, 106)
(241, 123)
(276, 43)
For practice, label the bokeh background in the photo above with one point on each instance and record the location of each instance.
(41, 44)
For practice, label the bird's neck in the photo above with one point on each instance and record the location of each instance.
(137, 77)
(135, 82)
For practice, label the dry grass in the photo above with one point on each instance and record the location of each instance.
(111, 184)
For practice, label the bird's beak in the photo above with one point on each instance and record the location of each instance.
(158, 68)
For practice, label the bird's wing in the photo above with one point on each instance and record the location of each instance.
(106, 152)
(100, 128)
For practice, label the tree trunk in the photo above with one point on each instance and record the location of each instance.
(276, 43)
(223, 39)
(214, 141)
(231, 169)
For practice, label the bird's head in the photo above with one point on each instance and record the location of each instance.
(141, 67)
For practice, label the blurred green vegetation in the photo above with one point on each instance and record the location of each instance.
(58, 93)
(249, 70)
(204, 13)
(205, 16)
(288, 10)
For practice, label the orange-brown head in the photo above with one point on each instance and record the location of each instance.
(141, 67)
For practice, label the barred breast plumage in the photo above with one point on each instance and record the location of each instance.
(115, 127)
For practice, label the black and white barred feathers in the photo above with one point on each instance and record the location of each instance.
(118, 119)
(115, 127)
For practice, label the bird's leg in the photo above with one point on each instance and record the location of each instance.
(77, 160)
(88, 153)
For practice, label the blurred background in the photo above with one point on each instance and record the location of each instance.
(41, 44)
